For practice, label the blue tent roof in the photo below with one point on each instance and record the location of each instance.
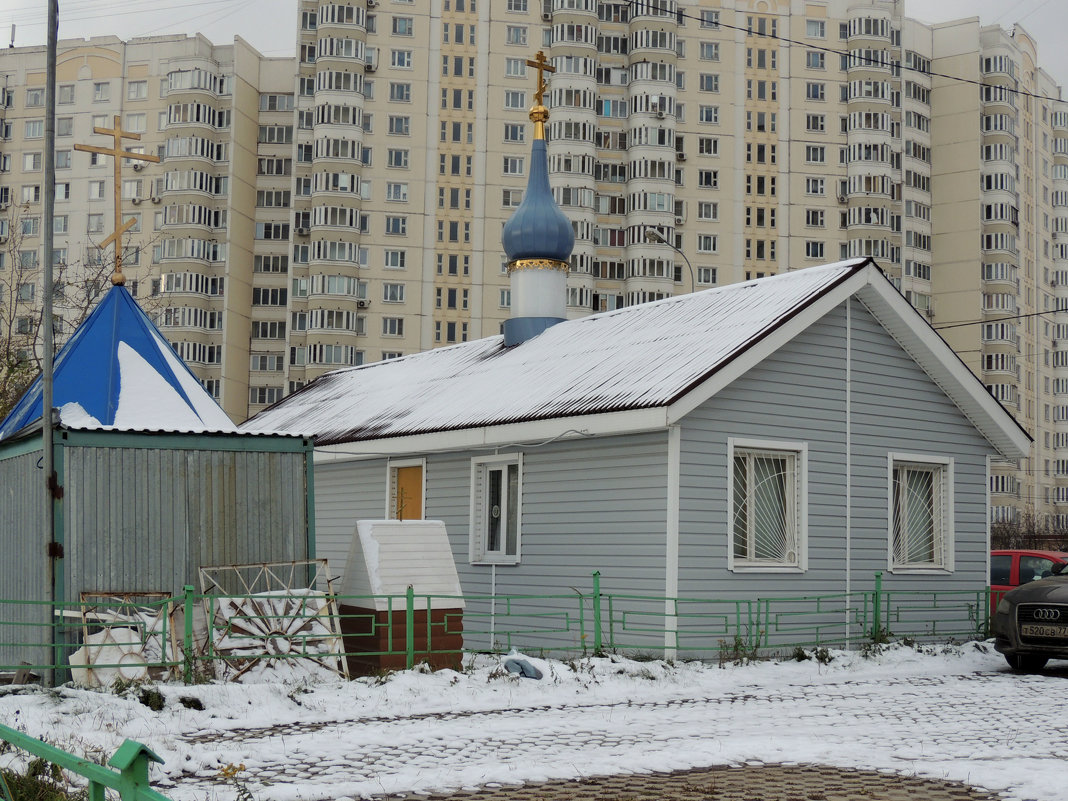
(118, 370)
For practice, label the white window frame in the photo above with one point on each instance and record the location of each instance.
(799, 450)
(392, 466)
(478, 552)
(944, 466)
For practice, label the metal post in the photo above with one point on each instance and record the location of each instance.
(187, 638)
(409, 628)
(877, 606)
(653, 235)
(597, 635)
(48, 346)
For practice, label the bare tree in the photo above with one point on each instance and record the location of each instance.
(1029, 532)
(78, 285)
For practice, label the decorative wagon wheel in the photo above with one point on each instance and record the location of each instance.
(272, 629)
(270, 613)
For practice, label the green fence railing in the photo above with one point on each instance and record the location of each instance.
(128, 774)
(193, 635)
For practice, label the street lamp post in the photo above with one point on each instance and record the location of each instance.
(652, 235)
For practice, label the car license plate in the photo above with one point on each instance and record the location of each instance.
(1035, 630)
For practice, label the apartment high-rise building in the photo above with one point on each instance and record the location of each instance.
(346, 205)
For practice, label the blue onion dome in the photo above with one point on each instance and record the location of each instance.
(538, 229)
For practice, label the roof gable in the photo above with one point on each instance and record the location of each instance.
(117, 370)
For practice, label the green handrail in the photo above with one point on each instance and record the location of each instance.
(129, 778)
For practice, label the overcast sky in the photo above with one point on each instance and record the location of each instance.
(269, 25)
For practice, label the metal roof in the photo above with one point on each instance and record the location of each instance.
(638, 357)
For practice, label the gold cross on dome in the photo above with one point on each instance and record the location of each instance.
(117, 153)
(542, 65)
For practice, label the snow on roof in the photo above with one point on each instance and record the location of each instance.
(118, 372)
(638, 357)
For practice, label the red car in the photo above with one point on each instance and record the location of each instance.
(1009, 569)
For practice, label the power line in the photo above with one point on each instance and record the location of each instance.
(865, 59)
(998, 319)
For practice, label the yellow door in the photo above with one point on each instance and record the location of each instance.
(409, 499)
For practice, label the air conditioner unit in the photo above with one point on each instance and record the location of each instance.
(659, 114)
(3, 240)
(369, 66)
(4, 206)
(841, 198)
(680, 157)
(156, 199)
(136, 201)
(138, 166)
(302, 231)
(362, 303)
(679, 221)
(372, 3)
(546, 16)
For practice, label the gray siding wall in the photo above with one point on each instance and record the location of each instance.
(799, 394)
(145, 519)
(24, 568)
(587, 505)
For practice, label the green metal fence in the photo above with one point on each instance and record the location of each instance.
(128, 774)
(194, 635)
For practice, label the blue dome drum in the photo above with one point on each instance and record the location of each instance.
(538, 239)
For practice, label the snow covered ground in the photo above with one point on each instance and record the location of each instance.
(952, 712)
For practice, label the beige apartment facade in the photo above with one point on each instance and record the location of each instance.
(346, 205)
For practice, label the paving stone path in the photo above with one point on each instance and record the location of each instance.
(377, 748)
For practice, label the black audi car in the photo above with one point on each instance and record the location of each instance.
(1031, 622)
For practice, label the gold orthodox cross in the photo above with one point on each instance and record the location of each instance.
(542, 65)
(117, 153)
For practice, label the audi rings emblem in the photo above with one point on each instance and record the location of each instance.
(1047, 614)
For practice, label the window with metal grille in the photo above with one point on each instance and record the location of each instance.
(920, 513)
(767, 504)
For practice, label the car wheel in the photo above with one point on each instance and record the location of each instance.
(1026, 662)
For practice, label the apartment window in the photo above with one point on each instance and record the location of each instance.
(396, 192)
(813, 250)
(815, 122)
(395, 259)
(137, 90)
(514, 132)
(709, 82)
(496, 509)
(397, 157)
(516, 34)
(136, 123)
(403, 26)
(101, 92)
(513, 165)
(706, 275)
(708, 179)
(814, 218)
(709, 51)
(31, 194)
(34, 129)
(921, 512)
(816, 29)
(707, 243)
(397, 226)
(709, 19)
(709, 114)
(393, 326)
(767, 488)
(708, 145)
(31, 162)
(515, 99)
(402, 59)
(65, 94)
(707, 211)
(815, 91)
(400, 92)
(814, 186)
(815, 154)
(815, 60)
